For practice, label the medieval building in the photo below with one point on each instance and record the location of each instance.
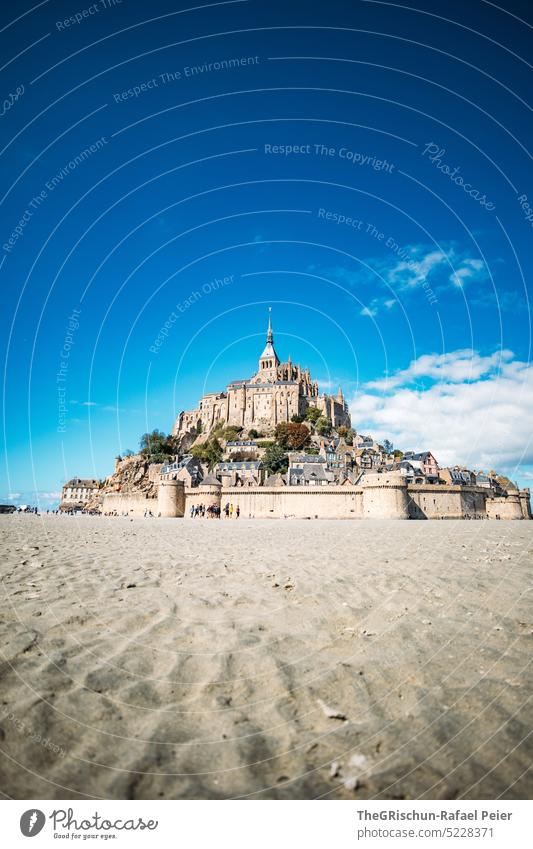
(277, 392)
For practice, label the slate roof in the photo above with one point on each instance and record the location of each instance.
(306, 458)
(210, 480)
(228, 466)
(246, 442)
(77, 482)
(308, 472)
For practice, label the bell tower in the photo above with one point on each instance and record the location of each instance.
(269, 360)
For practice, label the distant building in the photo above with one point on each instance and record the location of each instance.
(488, 481)
(78, 492)
(188, 469)
(426, 463)
(242, 446)
(413, 472)
(457, 476)
(308, 470)
(277, 392)
(240, 473)
(366, 458)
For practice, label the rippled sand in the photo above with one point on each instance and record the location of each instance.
(267, 659)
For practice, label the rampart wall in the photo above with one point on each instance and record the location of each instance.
(381, 497)
(435, 501)
(327, 502)
(132, 503)
(505, 508)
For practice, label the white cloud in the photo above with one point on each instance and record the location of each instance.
(407, 273)
(469, 269)
(454, 367)
(410, 266)
(376, 304)
(36, 498)
(477, 409)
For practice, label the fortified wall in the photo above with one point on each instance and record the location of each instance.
(505, 508)
(434, 501)
(169, 503)
(295, 502)
(379, 496)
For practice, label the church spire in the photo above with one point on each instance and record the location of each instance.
(269, 360)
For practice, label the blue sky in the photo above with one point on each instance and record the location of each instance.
(361, 167)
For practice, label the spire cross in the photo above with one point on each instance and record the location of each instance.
(270, 336)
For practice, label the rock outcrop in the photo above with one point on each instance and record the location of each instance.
(133, 474)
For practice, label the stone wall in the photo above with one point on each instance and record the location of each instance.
(206, 495)
(505, 508)
(324, 502)
(525, 503)
(171, 499)
(435, 501)
(384, 496)
(134, 504)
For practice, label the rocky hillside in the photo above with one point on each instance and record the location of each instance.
(132, 474)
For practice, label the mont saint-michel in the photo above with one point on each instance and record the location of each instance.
(273, 446)
(278, 392)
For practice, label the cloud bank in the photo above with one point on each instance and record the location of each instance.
(467, 408)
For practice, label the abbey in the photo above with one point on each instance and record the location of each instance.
(277, 392)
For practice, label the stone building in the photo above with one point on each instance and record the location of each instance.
(77, 492)
(457, 476)
(239, 473)
(274, 394)
(238, 447)
(188, 469)
(308, 470)
(425, 463)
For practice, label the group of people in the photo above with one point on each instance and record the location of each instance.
(213, 511)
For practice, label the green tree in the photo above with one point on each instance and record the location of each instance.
(210, 452)
(275, 460)
(156, 445)
(231, 432)
(312, 414)
(253, 433)
(388, 446)
(323, 426)
(350, 435)
(297, 419)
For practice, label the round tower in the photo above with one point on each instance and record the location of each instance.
(171, 499)
(385, 496)
(209, 493)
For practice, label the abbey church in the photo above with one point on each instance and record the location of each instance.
(276, 393)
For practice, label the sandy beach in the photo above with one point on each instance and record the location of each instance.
(265, 659)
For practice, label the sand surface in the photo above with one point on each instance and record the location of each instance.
(265, 659)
